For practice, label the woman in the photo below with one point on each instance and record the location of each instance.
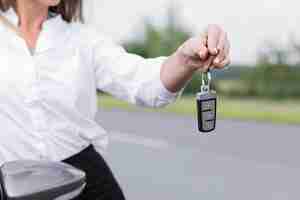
(49, 75)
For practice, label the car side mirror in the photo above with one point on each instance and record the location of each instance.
(40, 180)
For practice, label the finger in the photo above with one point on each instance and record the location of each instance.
(223, 54)
(220, 57)
(200, 46)
(213, 39)
(201, 65)
(208, 64)
(222, 45)
(203, 52)
(204, 37)
(222, 41)
(227, 48)
(223, 64)
(195, 46)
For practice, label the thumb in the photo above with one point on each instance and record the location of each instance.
(208, 63)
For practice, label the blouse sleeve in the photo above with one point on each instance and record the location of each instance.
(130, 77)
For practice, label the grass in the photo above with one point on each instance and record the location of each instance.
(284, 111)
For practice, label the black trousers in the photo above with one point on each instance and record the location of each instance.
(101, 183)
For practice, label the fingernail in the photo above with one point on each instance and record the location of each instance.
(216, 51)
(201, 54)
(217, 60)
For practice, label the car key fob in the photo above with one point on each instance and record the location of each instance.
(206, 111)
(206, 105)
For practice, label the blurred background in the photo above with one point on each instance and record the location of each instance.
(265, 41)
(254, 151)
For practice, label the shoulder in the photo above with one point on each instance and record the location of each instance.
(89, 34)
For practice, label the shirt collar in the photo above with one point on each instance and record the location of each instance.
(53, 29)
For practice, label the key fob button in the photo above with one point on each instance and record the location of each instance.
(209, 115)
(208, 105)
(208, 125)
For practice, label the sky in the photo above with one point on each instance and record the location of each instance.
(249, 23)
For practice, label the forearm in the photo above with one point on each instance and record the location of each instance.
(175, 73)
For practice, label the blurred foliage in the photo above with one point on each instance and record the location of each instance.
(163, 41)
(276, 81)
(276, 74)
(160, 41)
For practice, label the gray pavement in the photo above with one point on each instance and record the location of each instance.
(162, 156)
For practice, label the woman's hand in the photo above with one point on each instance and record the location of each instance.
(210, 49)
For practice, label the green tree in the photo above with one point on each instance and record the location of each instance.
(160, 41)
(275, 74)
(163, 41)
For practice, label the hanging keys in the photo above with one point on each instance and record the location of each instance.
(206, 105)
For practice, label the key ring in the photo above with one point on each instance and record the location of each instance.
(205, 87)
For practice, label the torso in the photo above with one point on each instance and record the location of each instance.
(48, 100)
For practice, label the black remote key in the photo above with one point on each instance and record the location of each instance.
(207, 110)
(206, 105)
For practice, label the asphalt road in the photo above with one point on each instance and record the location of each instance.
(162, 156)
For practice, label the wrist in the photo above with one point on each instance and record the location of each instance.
(175, 73)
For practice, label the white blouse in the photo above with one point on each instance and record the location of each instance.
(48, 100)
